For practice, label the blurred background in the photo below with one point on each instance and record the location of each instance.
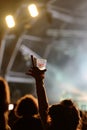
(55, 30)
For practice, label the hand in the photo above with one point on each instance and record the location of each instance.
(36, 73)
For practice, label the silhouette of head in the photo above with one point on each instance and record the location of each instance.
(4, 95)
(4, 102)
(26, 106)
(65, 116)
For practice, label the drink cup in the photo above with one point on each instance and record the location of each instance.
(41, 63)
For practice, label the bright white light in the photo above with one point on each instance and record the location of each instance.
(10, 21)
(33, 10)
(11, 106)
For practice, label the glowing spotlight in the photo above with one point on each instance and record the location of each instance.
(33, 10)
(10, 21)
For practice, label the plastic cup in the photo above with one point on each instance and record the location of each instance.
(41, 63)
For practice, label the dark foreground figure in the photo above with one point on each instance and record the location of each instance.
(27, 112)
(62, 116)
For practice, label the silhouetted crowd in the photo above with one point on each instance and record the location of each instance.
(31, 113)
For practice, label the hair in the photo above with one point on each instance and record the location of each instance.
(65, 115)
(4, 102)
(26, 106)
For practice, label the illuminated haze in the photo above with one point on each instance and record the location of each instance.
(67, 74)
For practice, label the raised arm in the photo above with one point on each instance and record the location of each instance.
(41, 94)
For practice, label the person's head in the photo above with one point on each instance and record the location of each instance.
(4, 95)
(26, 106)
(65, 116)
(4, 103)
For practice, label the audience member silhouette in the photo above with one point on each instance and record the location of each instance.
(83, 115)
(4, 102)
(27, 111)
(63, 116)
(12, 117)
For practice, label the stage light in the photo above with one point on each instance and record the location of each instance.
(10, 21)
(33, 10)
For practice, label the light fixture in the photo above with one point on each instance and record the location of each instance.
(33, 10)
(10, 21)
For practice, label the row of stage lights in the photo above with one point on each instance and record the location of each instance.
(32, 9)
